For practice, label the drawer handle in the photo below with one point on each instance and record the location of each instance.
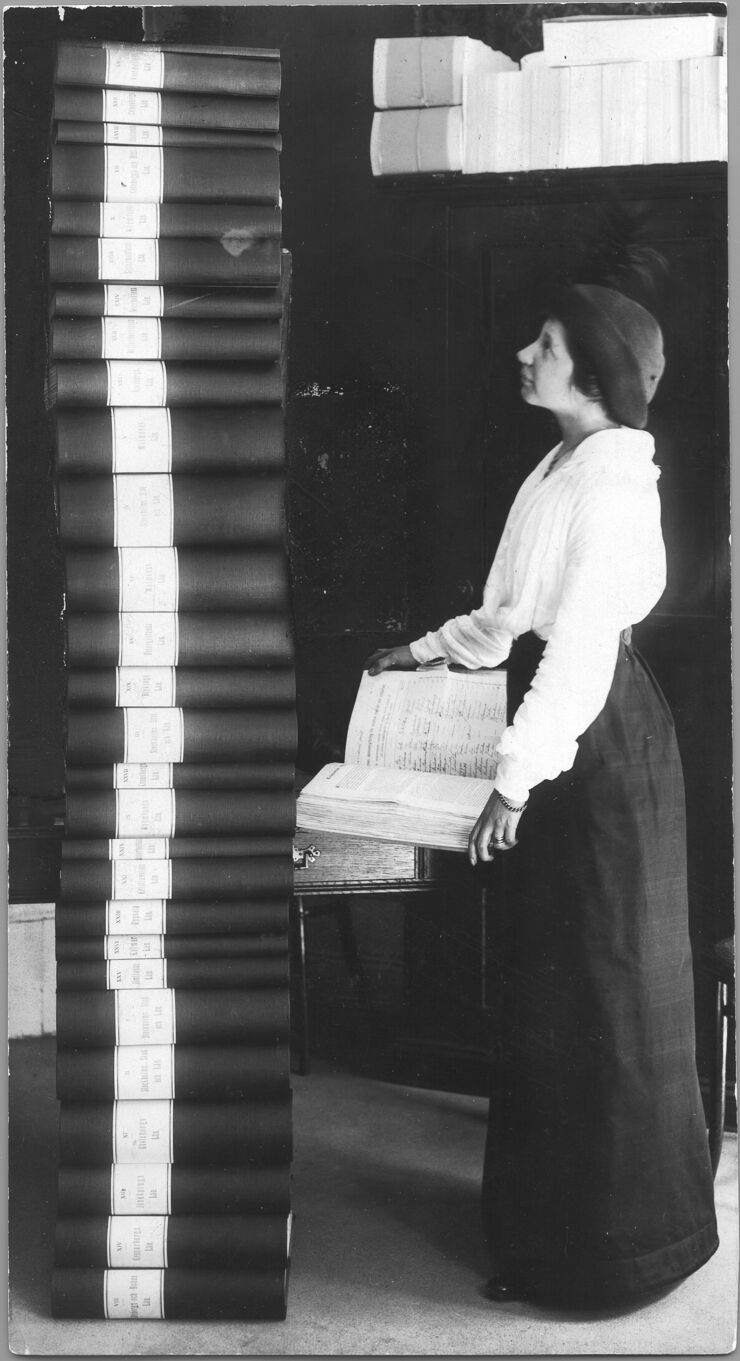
(302, 858)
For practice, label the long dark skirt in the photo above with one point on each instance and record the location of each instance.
(597, 1183)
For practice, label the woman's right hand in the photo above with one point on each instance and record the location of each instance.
(391, 659)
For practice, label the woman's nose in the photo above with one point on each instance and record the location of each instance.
(525, 356)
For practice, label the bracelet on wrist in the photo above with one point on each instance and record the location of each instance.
(509, 805)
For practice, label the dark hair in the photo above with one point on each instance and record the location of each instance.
(585, 376)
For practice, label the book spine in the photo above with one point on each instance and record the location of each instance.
(137, 337)
(160, 1240)
(161, 1015)
(256, 877)
(185, 1133)
(236, 225)
(152, 300)
(166, 67)
(164, 775)
(206, 1072)
(142, 174)
(88, 260)
(156, 510)
(172, 734)
(191, 640)
(190, 688)
(154, 134)
(169, 1294)
(87, 976)
(407, 141)
(175, 919)
(166, 1188)
(148, 382)
(110, 105)
(187, 812)
(138, 948)
(187, 439)
(166, 579)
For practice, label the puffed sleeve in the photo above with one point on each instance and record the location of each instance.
(613, 574)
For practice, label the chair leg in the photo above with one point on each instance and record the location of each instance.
(719, 1078)
(303, 1044)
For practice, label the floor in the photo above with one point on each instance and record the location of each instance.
(387, 1257)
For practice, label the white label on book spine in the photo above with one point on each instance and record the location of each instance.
(136, 382)
(133, 916)
(148, 579)
(143, 686)
(137, 1240)
(145, 812)
(153, 735)
(132, 106)
(148, 639)
(134, 948)
(141, 1190)
(152, 775)
(144, 1074)
(131, 974)
(132, 300)
(142, 439)
(133, 174)
(142, 1132)
(143, 510)
(141, 879)
(132, 134)
(136, 973)
(131, 338)
(138, 848)
(134, 1294)
(129, 220)
(141, 67)
(145, 1016)
(123, 258)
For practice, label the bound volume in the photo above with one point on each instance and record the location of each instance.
(420, 759)
(138, 1016)
(189, 579)
(173, 1293)
(88, 260)
(185, 1133)
(109, 105)
(165, 1240)
(167, 1188)
(127, 174)
(148, 67)
(204, 1072)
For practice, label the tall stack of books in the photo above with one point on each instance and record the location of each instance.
(168, 326)
(604, 91)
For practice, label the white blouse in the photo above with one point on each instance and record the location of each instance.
(580, 559)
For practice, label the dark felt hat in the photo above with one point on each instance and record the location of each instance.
(623, 343)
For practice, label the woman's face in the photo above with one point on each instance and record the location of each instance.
(547, 370)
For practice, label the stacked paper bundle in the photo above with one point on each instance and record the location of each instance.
(606, 91)
(169, 295)
(418, 86)
(634, 90)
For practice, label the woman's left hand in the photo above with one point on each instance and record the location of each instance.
(494, 831)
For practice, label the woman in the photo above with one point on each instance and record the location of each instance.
(597, 1185)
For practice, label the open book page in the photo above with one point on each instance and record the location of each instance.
(434, 720)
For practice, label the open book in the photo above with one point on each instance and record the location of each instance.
(420, 759)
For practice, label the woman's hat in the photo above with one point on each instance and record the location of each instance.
(623, 343)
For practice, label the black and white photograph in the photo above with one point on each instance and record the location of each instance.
(371, 964)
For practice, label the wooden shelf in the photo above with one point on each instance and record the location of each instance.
(689, 179)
